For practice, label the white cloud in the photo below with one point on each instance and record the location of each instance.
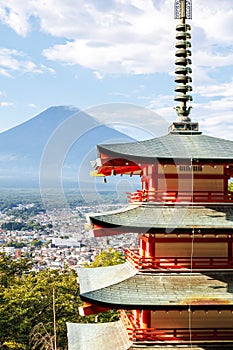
(32, 105)
(216, 89)
(131, 37)
(136, 119)
(98, 75)
(122, 94)
(114, 37)
(13, 61)
(117, 58)
(123, 36)
(216, 19)
(211, 59)
(6, 104)
(15, 15)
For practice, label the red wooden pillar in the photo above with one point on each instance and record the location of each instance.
(155, 179)
(145, 320)
(151, 175)
(150, 247)
(145, 183)
(136, 314)
(142, 247)
(225, 183)
(153, 182)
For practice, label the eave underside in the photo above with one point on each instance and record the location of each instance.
(171, 148)
(134, 165)
(168, 219)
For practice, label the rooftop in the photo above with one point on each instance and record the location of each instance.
(98, 336)
(173, 146)
(158, 291)
(159, 218)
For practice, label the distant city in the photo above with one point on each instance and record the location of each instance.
(54, 238)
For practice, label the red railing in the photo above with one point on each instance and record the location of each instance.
(144, 263)
(138, 334)
(179, 196)
(183, 334)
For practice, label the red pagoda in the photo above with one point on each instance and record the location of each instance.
(175, 291)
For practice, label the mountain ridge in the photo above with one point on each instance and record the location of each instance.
(73, 135)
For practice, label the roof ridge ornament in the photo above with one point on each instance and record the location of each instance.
(183, 11)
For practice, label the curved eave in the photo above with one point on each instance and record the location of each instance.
(98, 336)
(157, 218)
(156, 292)
(199, 305)
(96, 278)
(171, 148)
(107, 229)
(169, 159)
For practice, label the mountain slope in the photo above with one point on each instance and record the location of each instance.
(57, 142)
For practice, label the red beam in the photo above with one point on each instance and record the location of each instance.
(205, 239)
(100, 231)
(90, 309)
(191, 176)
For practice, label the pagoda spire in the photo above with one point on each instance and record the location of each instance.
(183, 11)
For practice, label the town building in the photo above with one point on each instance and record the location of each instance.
(175, 290)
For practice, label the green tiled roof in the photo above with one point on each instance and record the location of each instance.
(173, 146)
(156, 217)
(166, 291)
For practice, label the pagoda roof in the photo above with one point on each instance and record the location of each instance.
(113, 275)
(113, 335)
(98, 336)
(173, 146)
(159, 291)
(156, 217)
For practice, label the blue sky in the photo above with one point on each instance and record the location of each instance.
(93, 53)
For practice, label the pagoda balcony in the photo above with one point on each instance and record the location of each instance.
(144, 264)
(173, 335)
(140, 196)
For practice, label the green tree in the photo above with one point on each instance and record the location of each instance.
(107, 258)
(10, 269)
(12, 225)
(26, 300)
(36, 243)
(16, 244)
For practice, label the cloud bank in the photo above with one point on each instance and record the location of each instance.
(123, 36)
(129, 37)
